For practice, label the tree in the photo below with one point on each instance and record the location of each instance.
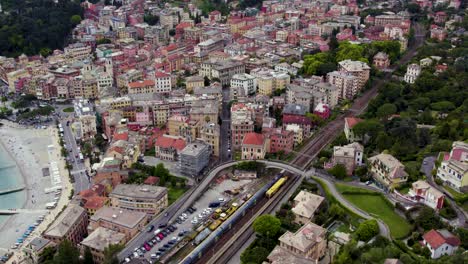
(110, 254)
(428, 219)
(267, 225)
(325, 68)
(151, 19)
(386, 110)
(88, 257)
(348, 51)
(254, 255)
(206, 81)
(45, 52)
(103, 41)
(413, 8)
(367, 230)
(67, 254)
(161, 172)
(369, 127)
(313, 62)
(47, 255)
(75, 19)
(339, 171)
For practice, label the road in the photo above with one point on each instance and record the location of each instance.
(82, 181)
(225, 139)
(426, 168)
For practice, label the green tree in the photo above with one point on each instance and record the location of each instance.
(386, 110)
(367, 230)
(45, 52)
(47, 255)
(110, 254)
(348, 51)
(369, 127)
(67, 253)
(103, 41)
(313, 62)
(88, 257)
(267, 225)
(339, 171)
(75, 19)
(254, 255)
(428, 219)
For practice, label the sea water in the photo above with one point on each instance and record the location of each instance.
(10, 177)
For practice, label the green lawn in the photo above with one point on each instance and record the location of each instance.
(377, 206)
(174, 193)
(456, 195)
(68, 110)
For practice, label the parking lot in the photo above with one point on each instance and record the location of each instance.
(167, 237)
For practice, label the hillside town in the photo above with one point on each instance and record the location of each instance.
(280, 131)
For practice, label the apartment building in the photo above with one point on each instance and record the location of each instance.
(99, 240)
(308, 97)
(269, 80)
(245, 81)
(141, 198)
(422, 192)
(169, 147)
(203, 48)
(194, 158)
(453, 169)
(77, 51)
(308, 244)
(242, 122)
(193, 82)
(347, 84)
(298, 133)
(70, 225)
(350, 122)
(387, 170)
(351, 156)
(305, 206)
(129, 76)
(163, 82)
(13, 76)
(222, 70)
(412, 73)
(381, 60)
(254, 146)
(280, 140)
(127, 222)
(210, 133)
(141, 87)
(356, 68)
(383, 20)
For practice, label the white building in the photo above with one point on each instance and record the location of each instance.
(453, 169)
(412, 73)
(245, 81)
(162, 82)
(440, 242)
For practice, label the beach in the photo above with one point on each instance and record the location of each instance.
(28, 149)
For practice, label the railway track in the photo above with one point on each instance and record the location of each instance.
(243, 227)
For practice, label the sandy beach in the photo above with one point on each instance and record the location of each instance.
(28, 148)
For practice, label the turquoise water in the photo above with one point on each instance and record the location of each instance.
(9, 177)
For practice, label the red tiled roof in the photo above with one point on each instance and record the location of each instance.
(161, 74)
(457, 154)
(294, 119)
(95, 202)
(151, 180)
(253, 139)
(352, 121)
(120, 136)
(140, 84)
(167, 142)
(436, 239)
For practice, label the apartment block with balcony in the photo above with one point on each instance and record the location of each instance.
(306, 245)
(453, 169)
(242, 122)
(387, 170)
(127, 222)
(141, 198)
(422, 192)
(99, 240)
(350, 156)
(194, 158)
(70, 225)
(210, 134)
(356, 68)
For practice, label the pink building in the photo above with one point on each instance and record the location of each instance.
(425, 193)
(280, 139)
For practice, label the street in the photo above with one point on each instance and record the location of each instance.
(82, 182)
(225, 139)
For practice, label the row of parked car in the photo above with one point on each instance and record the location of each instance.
(163, 231)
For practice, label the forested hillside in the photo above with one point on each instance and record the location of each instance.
(33, 26)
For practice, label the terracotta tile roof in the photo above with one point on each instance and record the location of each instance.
(294, 119)
(151, 180)
(253, 139)
(167, 142)
(120, 136)
(352, 121)
(437, 239)
(95, 202)
(161, 74)
(140, 84)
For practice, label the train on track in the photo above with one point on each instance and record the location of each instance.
(207, 237)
